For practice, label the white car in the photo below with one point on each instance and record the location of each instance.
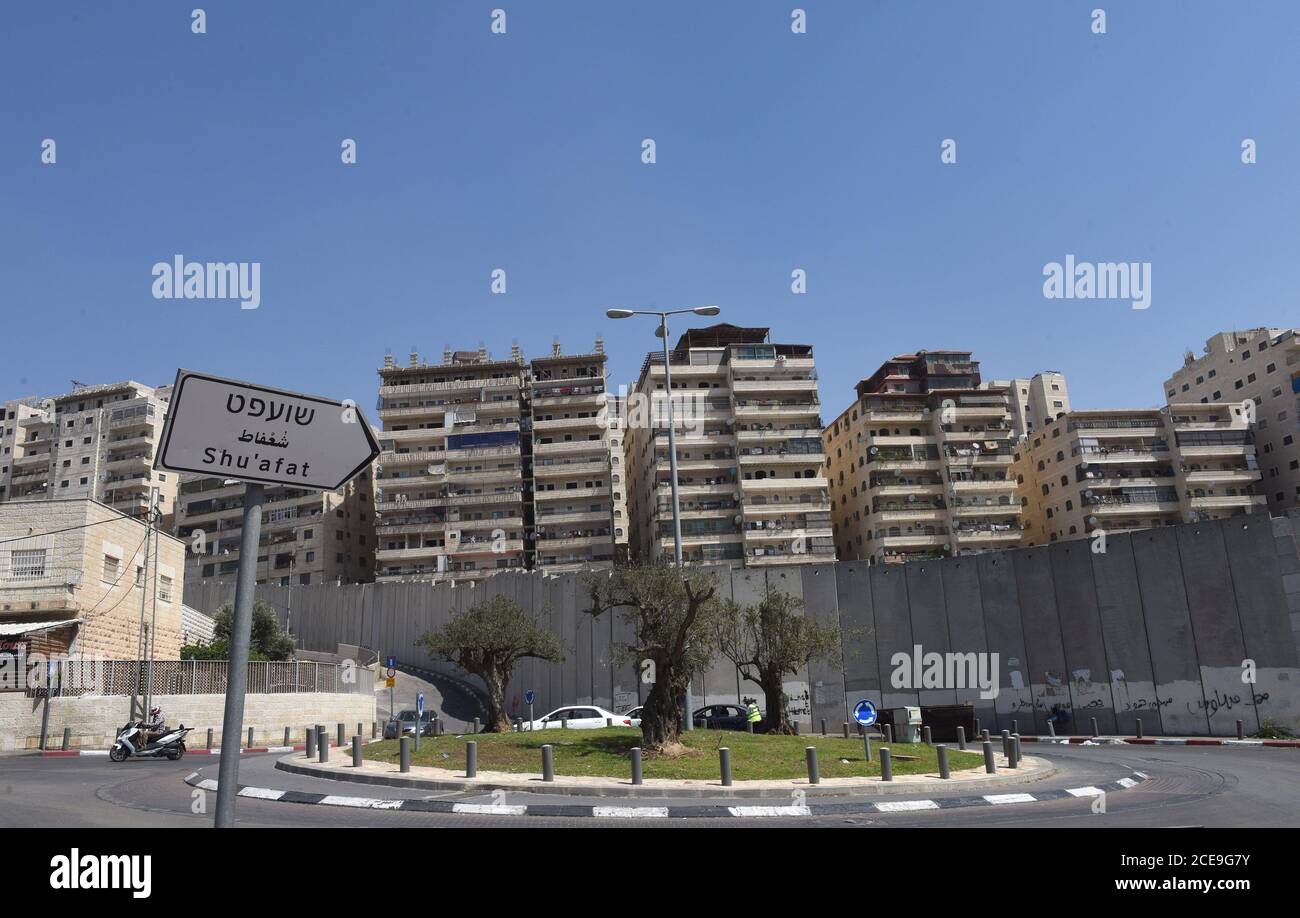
(579, 717)
(634, 716)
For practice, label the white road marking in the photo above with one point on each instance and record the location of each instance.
(769, 810)
(1085, 791)
(630, 812)
(489, 809)
(261, 793)
(904, 806)
(997, 799)
(1126, 783)
(371, 803)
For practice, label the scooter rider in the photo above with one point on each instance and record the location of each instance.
(155, 726)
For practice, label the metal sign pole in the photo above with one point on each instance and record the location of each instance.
(232, 722)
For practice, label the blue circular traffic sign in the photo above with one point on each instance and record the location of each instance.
(864, 712)
(529, 697)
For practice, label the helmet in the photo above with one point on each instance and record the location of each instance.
(155, 711)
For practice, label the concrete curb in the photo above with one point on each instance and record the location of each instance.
(861, 807)
(216, 750)
(1160, 741)
(1036, 770)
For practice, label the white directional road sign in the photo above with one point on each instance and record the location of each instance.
(232, 429)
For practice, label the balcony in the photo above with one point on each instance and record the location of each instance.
(566, 469)
(908, 515)
(1242, 502)
(575, 446)
(570, 494)
(768, 485)
(999, 484)
(747, 386)
(389, 458)
(592, 423)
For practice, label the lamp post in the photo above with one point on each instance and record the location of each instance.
(662, 332)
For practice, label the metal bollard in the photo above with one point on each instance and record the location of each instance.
(548, 763)
(866, 741)
(846, 730)
(321, 735)
(67, 738)
(471, 759)
(889, 734)
(286, 737)
(814, 773)
(1241, 730)
(609, 721)
(1137, 728)
(311, 742)
(984, 735)
(1015, 726)
(1095, 732)
(823, 726)
(1006, 744)
(250, 738)
(404, 754)
(322, 748)
(564, 723)
(749, 726)
(343, 735)
(636, 764)
(476, 726)
(1013, 752)
(925, 736)
(1051, 728)
(374, 729)
(976, 731)
(961, 738)
(519, 725)
(359, 725)
(1020, 753)
(356, 750)
(886, 766)
(724, 762)
(794, 725)
(209, 737)
(990, 766)
(942, 750)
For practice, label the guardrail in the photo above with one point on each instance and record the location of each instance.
(197, 677)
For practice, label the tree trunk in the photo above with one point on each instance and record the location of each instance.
(661, 717)
(498, 721)
(777, 720)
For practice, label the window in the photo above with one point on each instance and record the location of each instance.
(112, 568)
(165, 589)
(27, 564)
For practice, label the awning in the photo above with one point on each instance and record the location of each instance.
(12, 628)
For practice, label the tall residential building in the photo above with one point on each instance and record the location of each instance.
(307, 537)
(919, 465)
(748, 430)
(1132, 469)
(494, 465)
(577, 480)
(1036, 401)
(1262, 365)
(94, 442)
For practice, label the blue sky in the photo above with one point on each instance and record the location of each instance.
(522, 151)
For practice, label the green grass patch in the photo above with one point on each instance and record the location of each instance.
(607, 753)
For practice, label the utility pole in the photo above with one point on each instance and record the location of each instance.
(140, 646)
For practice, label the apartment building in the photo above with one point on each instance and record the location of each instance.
(73, 575)
(1121, 470)
(306, 537)
(1261, 365)
(748, 430)
(579, 504)
(1036, 401)
(492, 465)
(95, 442)
(919, 466)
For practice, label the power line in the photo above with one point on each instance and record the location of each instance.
(57, 531)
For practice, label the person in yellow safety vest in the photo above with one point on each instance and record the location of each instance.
(754, 716)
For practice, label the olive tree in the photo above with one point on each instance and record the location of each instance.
(670, 612)
(487, 639)
(769, 640)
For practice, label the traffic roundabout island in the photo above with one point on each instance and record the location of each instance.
(598, 763)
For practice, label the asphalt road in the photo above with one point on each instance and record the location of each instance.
(1188, 786)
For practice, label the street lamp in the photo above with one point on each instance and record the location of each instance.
(662, 332)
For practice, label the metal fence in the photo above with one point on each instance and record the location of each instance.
(199, 677)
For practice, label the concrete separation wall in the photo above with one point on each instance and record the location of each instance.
(1161, 626)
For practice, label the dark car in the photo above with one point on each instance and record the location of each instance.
(722, 717)
(404, 724)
